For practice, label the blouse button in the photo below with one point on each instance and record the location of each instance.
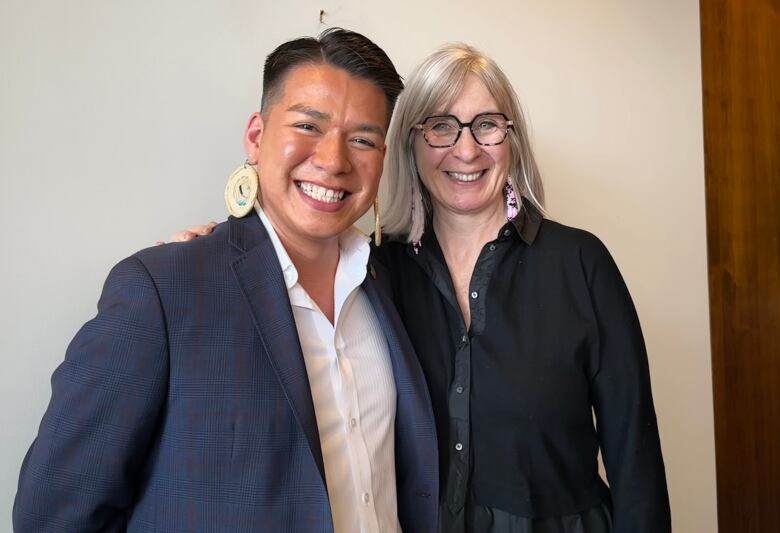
(459, 446)
(366, 497)
(474, 295)
(507, 232)
(492, 247)
(459, 389)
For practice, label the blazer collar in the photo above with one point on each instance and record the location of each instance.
(246, 233)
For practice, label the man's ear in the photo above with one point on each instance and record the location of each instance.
(252, 137)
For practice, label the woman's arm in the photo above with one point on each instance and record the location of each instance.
(623, 402)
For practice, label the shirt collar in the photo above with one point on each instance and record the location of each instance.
(527, 222)
(353, 253)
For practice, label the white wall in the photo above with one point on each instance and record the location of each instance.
(119, 122)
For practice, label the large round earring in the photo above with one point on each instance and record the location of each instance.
(241, 190)
(377, 223)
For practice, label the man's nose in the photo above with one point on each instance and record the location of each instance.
(332, 154)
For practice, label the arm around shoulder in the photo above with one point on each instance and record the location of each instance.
(82, 471)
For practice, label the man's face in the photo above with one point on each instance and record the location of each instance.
(319, 150)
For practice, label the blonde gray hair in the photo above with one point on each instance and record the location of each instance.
(434, 85)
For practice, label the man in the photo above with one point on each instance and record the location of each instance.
(254, 379)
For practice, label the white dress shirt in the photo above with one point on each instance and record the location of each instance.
(352, 388)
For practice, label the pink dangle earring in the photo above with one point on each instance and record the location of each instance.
(512, 207)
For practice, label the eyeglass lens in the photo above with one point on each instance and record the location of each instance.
(487, 129)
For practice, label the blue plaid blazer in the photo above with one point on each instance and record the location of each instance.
(184, 405)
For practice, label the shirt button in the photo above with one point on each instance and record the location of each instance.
(507, 232)
(474, 294)
(459, 389)
(352, 422)
(366, 497)
(459, 446)
(464, 339)
(492, 247)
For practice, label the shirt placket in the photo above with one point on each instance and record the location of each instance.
(459, 398)
(460, 424)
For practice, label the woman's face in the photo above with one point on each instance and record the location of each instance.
(466, 178)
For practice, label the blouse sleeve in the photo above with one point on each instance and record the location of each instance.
(623, 402)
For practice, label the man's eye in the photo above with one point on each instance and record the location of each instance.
(365, 142)
(307, 127)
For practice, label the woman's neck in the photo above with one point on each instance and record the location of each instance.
(465, 234)
(461, 238)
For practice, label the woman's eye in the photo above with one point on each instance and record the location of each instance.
(487, 125)
(442, 127)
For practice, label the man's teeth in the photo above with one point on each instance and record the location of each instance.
(321, 194)
(465, 177)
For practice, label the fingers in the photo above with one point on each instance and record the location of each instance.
(182, 236)
(193, 233)
(203, 229)
(189, 234)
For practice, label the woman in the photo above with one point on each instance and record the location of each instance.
(523, 326)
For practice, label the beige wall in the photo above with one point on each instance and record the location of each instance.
(119, 122)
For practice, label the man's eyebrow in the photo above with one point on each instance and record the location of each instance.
(309, 111)
(371, 128)
(320, 115)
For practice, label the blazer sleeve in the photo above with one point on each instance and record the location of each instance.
(81, 472)
(623, 402)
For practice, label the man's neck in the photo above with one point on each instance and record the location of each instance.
(316, 263)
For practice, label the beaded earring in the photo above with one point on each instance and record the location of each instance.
(242, 190)
(512, 207)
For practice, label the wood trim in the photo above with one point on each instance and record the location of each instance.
(741, 89)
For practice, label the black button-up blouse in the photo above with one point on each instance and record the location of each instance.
(554, 339)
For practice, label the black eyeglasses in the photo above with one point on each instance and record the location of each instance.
(488, 129)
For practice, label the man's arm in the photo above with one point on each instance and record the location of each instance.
(82, 471)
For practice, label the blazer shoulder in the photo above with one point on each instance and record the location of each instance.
(388, 253)
(196, 253)
(389, 261)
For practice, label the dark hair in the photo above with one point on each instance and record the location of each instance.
(340, 48)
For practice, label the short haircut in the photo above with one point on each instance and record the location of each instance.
(433, 86)
(337, 47)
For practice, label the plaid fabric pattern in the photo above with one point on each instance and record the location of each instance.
(183, 406)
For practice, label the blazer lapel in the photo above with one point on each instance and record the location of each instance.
(416, 453)
(402, 354)
(260, 279)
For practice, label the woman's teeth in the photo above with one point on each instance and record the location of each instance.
(321, 194)
(465, 177)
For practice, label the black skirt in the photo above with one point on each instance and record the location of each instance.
(481, 519)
